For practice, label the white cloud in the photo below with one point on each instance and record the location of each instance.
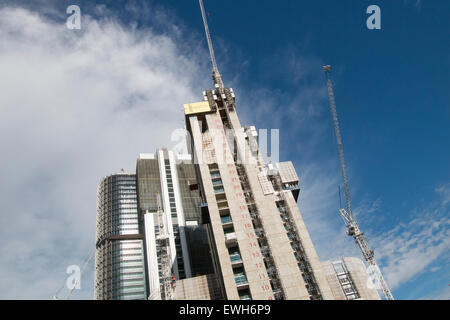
(444, 192)
(319, 204)
(77, 106)
(403, 252)
(306, 132)
(435, 269)
(408, 249)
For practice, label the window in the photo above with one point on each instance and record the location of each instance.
(202, 123)
(215, 174)
(239, 276)
(225, 219)
(235, 255)
(245, 294)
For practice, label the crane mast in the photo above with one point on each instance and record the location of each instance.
(350, 222)
(215, 71)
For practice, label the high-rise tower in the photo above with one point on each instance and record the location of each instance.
(176, 246)
(119, 259)
(149, 231)
(262, 246)
(218, 223)
(262, 249)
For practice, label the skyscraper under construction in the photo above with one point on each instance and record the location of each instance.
(262, 247)
(223, 223)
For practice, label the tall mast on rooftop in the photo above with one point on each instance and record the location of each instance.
(215, 71)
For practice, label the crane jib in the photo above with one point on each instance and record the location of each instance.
(352, 227)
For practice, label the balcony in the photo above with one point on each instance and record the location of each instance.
(241, 280)
(230, 238)
(290, 186)
(219, 189)
(222, 204)
(224, 212)
(226, 220)
(236, 259)
(215, 173)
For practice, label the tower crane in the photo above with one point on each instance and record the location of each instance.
(350, 222)
(215, 71)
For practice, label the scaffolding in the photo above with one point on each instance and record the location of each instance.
(167, 280)
(266, 251)
(345, 280)
(299, 252)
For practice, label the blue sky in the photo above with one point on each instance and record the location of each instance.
(392, 96)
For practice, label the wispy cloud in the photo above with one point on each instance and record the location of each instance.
(80, 105)
(404, 250)
(408, 249)
(307, 139)
(76, 106)
(444, 192)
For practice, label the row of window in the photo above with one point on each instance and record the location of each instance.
(234, 253)
(173, 211)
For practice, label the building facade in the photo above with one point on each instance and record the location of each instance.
(261, 249)
(119, 259)
(161, 205)
(128, 263)
(349, 280)
(149, 231)
(221, 222)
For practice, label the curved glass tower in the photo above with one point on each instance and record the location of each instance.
(119, 260)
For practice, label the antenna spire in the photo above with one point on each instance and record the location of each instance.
(217, 78)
